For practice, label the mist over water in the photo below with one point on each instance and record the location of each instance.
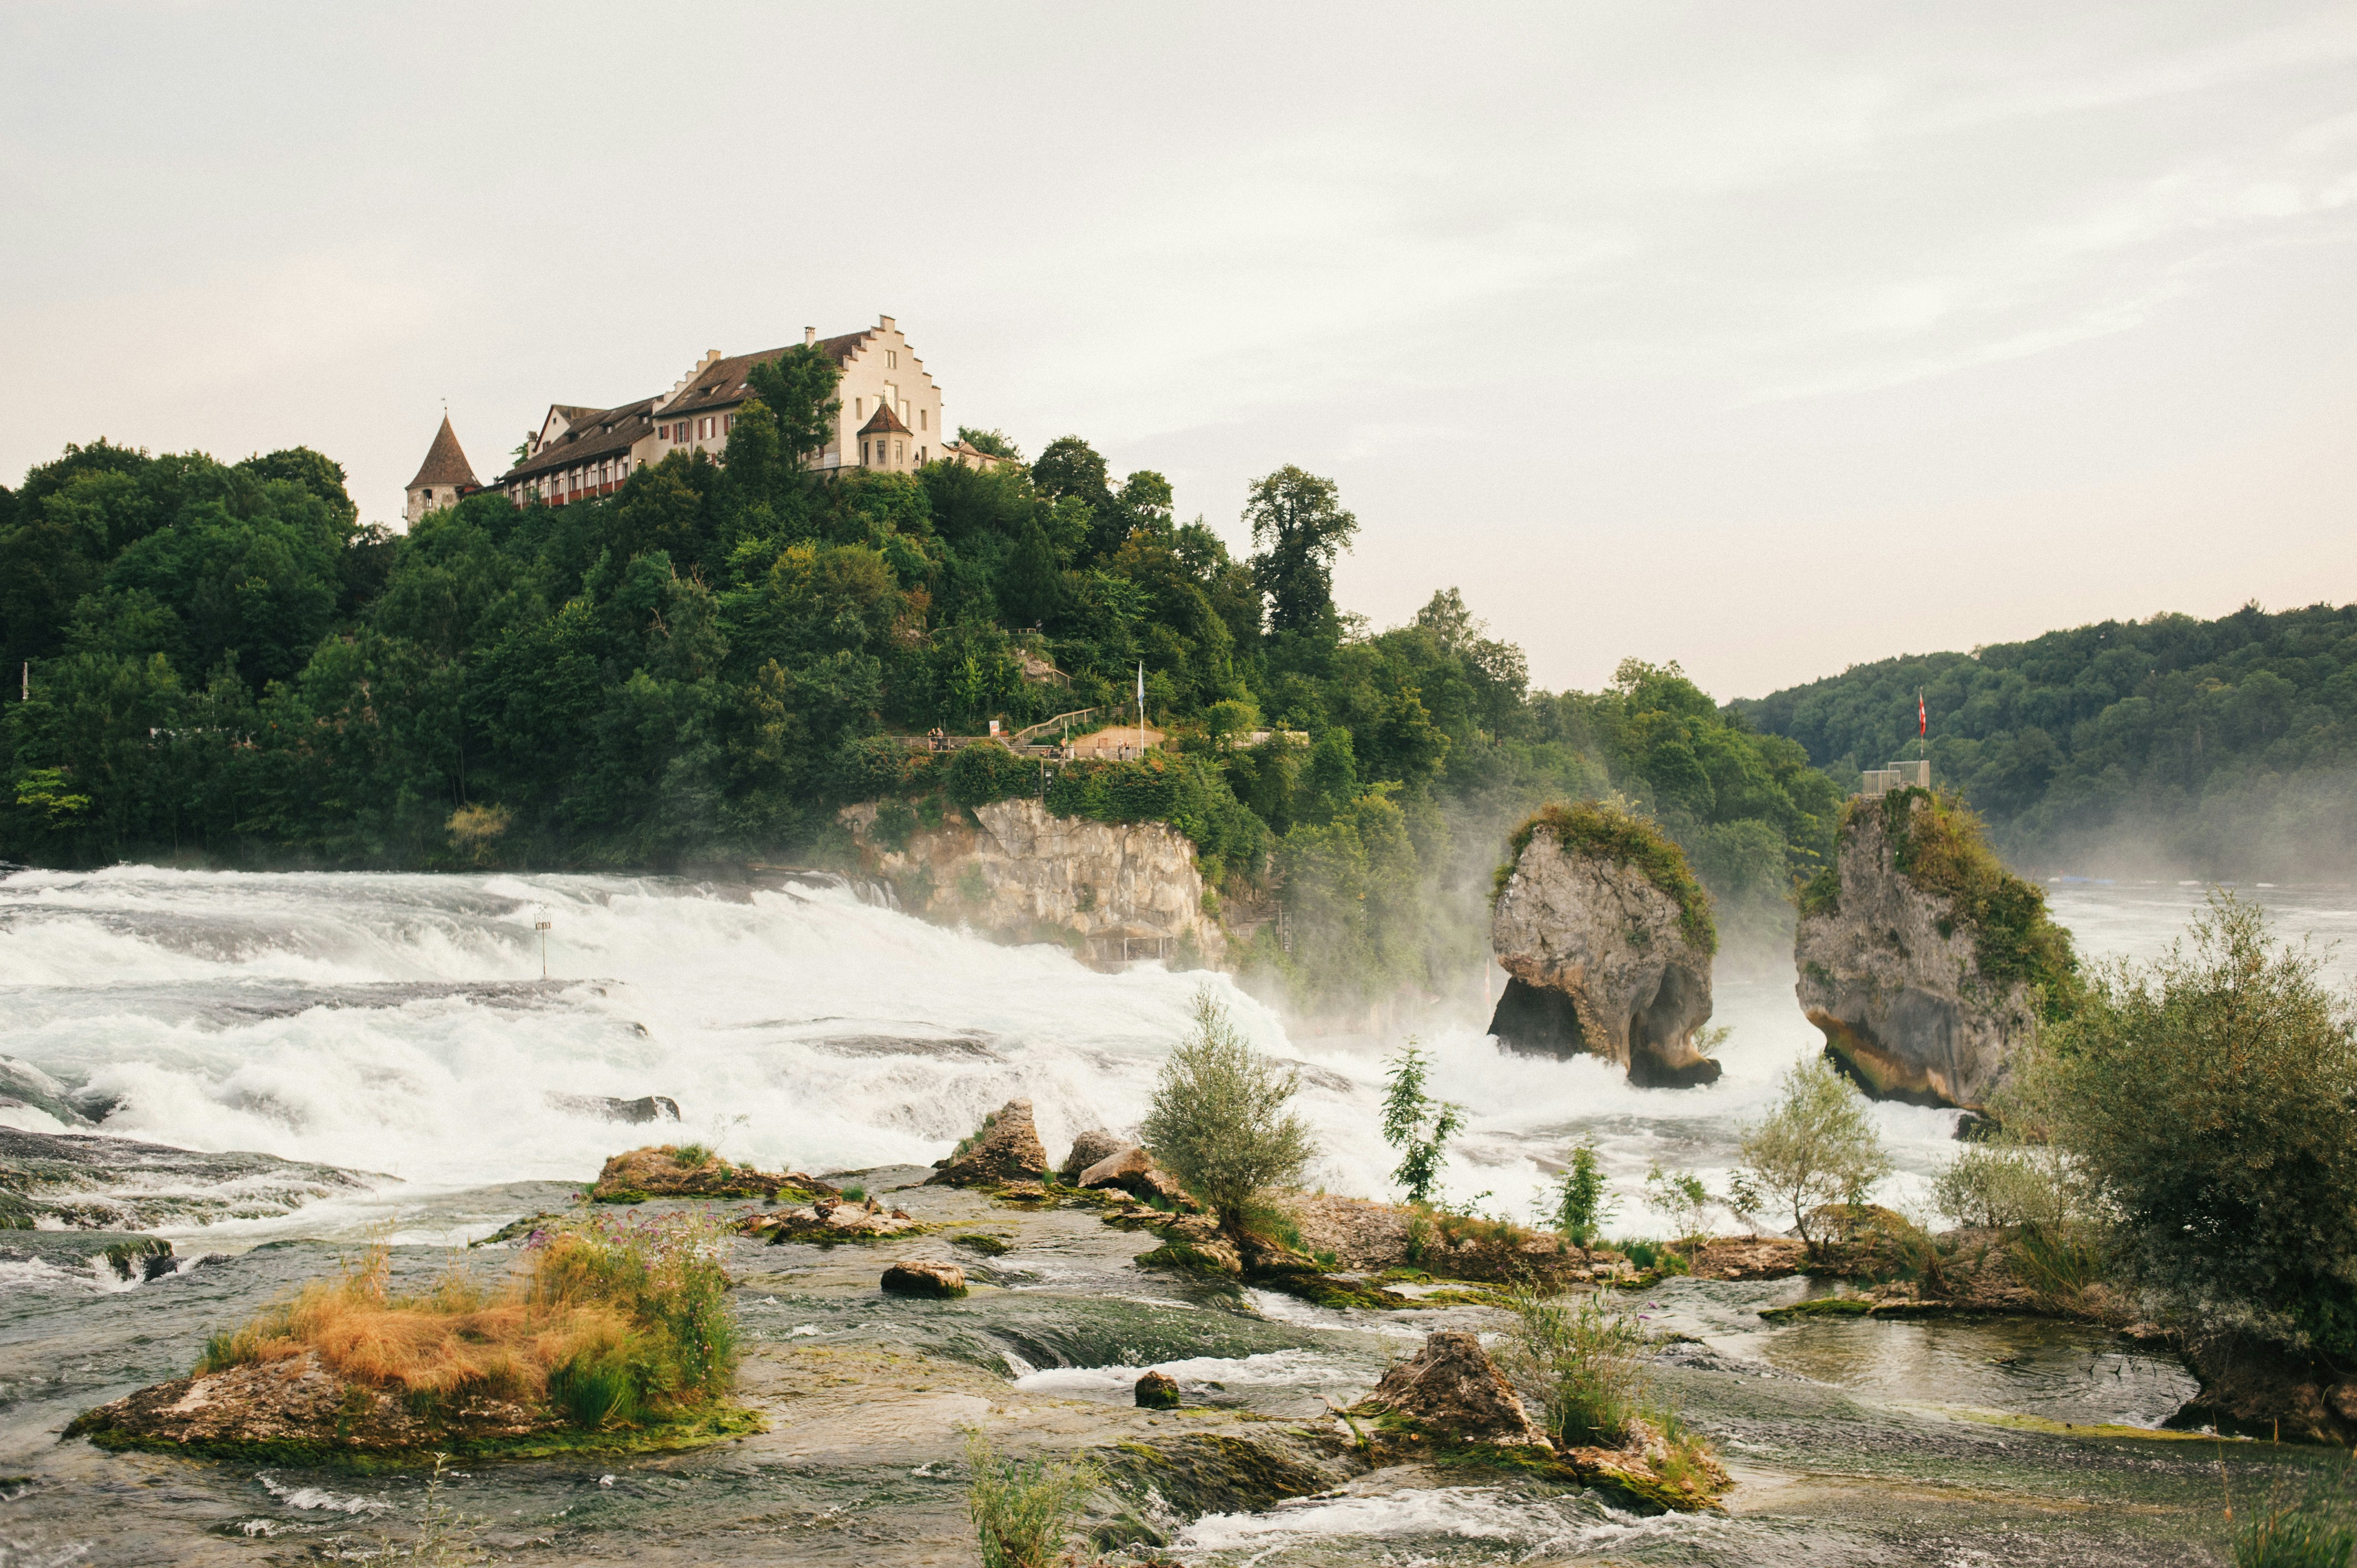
(399, 1025)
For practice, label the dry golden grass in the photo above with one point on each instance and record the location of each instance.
(457, 1338)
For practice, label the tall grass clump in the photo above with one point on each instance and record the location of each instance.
(1025, 1510)
(1581, 1356)
(617, 1321)
(2293, 1538)
(1220, 1121)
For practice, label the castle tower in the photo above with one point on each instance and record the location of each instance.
(442, 478)
(884, 442)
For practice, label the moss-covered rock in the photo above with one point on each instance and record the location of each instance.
(1606, 939)
(1924, 961)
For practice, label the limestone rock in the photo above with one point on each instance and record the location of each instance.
(1034, 874)
(1133, 1170)
(925, 1278)
(292, 1406)
(1599, 959)
(1892, 978)
(1157, 1390)
(830, 1220)
(1452, 1388)
(659, 1171)
(88, 1181)
(1005, 1148)
(1087, 1150)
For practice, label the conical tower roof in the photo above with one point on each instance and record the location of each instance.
(444, 465)
(884, 422)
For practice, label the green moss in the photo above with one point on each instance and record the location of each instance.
(1820, 894)
(713, 1426)
(1937, 844)
(1819, 1306)
(1589, 827)
(974, 1240)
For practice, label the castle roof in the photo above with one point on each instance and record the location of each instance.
(722, 383)
(444, 464)
(883, 421)
(595, 434)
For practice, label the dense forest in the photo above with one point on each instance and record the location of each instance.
(2222, 748)
(226, 668)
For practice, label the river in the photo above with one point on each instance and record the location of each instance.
(401, 1025)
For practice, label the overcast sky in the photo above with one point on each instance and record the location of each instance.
(1766, 338)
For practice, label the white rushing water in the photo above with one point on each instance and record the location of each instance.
(395, 1024)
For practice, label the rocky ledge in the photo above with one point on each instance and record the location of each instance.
(1005, 1148)
(831, 1219)
(1606, 939)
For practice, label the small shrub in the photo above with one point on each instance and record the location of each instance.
(854, 1193)
(1997, 1186)
(1416, 1124)
(1817, 1146)
(1219, 1121)
(1580, 1202)
(1682, 1196)
(896, 824)
(1024, 1512)
(973, 888)
(690, 1156)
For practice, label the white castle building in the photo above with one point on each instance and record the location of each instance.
(890, 420)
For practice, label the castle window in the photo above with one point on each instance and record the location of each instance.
(899, 450)
(891, 359)
(857, 407)
(921, 419)
(663, 432)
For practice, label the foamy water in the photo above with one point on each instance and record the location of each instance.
(395, 1024)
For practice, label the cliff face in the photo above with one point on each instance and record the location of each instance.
(1113, 890)
(1891, 974)
(1602, 959)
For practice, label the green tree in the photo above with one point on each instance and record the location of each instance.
(1218, 1120)
(2203, 1099)
(1580, 1202)
(1817, 1146)
(1416, 1124)
(1300, 530)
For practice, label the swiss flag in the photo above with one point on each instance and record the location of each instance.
(1922, 715)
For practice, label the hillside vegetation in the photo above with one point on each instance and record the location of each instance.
(2226, 748)
(227, 669)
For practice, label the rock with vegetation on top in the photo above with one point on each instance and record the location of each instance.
(1005, 1148)
(1157, 1390)
(1606, 939)
(1926, 962)
(926, 1278)
(1088, 1148)
(1451, 1389)
(1132, 1171)
(298, 1407)
(671, 1170)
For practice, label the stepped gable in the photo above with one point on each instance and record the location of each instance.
(445, 464)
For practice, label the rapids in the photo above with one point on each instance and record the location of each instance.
(400, 1025)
